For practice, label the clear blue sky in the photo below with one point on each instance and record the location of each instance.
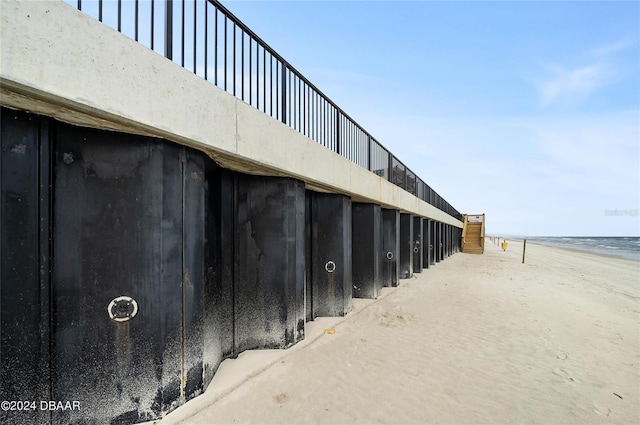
(527, 111)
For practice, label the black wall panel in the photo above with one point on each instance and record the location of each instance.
(24, 264)
(218, 315)
(417, 244)
(390, 246)
(439, 242)
(331, 233)
(367, 250)
(269, 264)
(193, 269)
(433, 238)
(406, 246)
(451, 240)
(217, 262)
(445, 238)
(426, 239)
(308, 252)
(128, 221)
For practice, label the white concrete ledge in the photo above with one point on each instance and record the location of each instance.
(62, 63)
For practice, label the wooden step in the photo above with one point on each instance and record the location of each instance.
(473, 243)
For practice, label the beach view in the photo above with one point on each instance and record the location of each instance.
(319, 212)
(478, 339)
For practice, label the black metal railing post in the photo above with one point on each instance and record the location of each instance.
(284, 93)
(168, 29)
(338, 125)
(369, 152)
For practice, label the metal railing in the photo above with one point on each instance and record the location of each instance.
(207, 39)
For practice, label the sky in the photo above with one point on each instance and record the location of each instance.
(526, 111)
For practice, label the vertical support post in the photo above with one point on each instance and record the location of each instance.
(284, 93)
(168, 29)
(417, 244)
(331, 255)
(24, 264)
(390, 246)
(369, 153)
(426, 242)
(524, 248)
(338, 131)
(366, 250)
(269, 265)
(438, 244)
(405, 262)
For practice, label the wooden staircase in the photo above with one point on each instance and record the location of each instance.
(473, 234)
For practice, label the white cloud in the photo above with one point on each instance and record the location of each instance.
(574, 85)
(609, 49)
(564, 85)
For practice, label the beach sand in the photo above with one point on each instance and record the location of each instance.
(474, 339)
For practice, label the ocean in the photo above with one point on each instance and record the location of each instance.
(626, 247)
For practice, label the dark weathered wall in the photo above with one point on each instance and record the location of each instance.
(426, 247)
(269, 264)
(213, 260)
(24, 265)
(432, 242)
(308, 269)
(447, 241)
(216, 261)
(331, 291)
(417, 244)
(128, 221)
(390, 246)
(405, 263)
(439, 242)
(218, 317)
(367, 250)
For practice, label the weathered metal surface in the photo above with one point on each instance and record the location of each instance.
(308, 269)
(418, 244)
(434, 250)
(446, 240)
(390, 246)
(193, 271)
(218, 316)
(165, 264)
(269, 263)
(128, 220)
(405, 264)
(24, 265)
(331, 261)
(426, 247)
(439, 242)
(367, 250)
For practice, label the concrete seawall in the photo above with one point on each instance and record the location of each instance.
(153, 225)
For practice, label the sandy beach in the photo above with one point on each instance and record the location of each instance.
(474, 339)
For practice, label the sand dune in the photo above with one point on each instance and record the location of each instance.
(475, 339)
